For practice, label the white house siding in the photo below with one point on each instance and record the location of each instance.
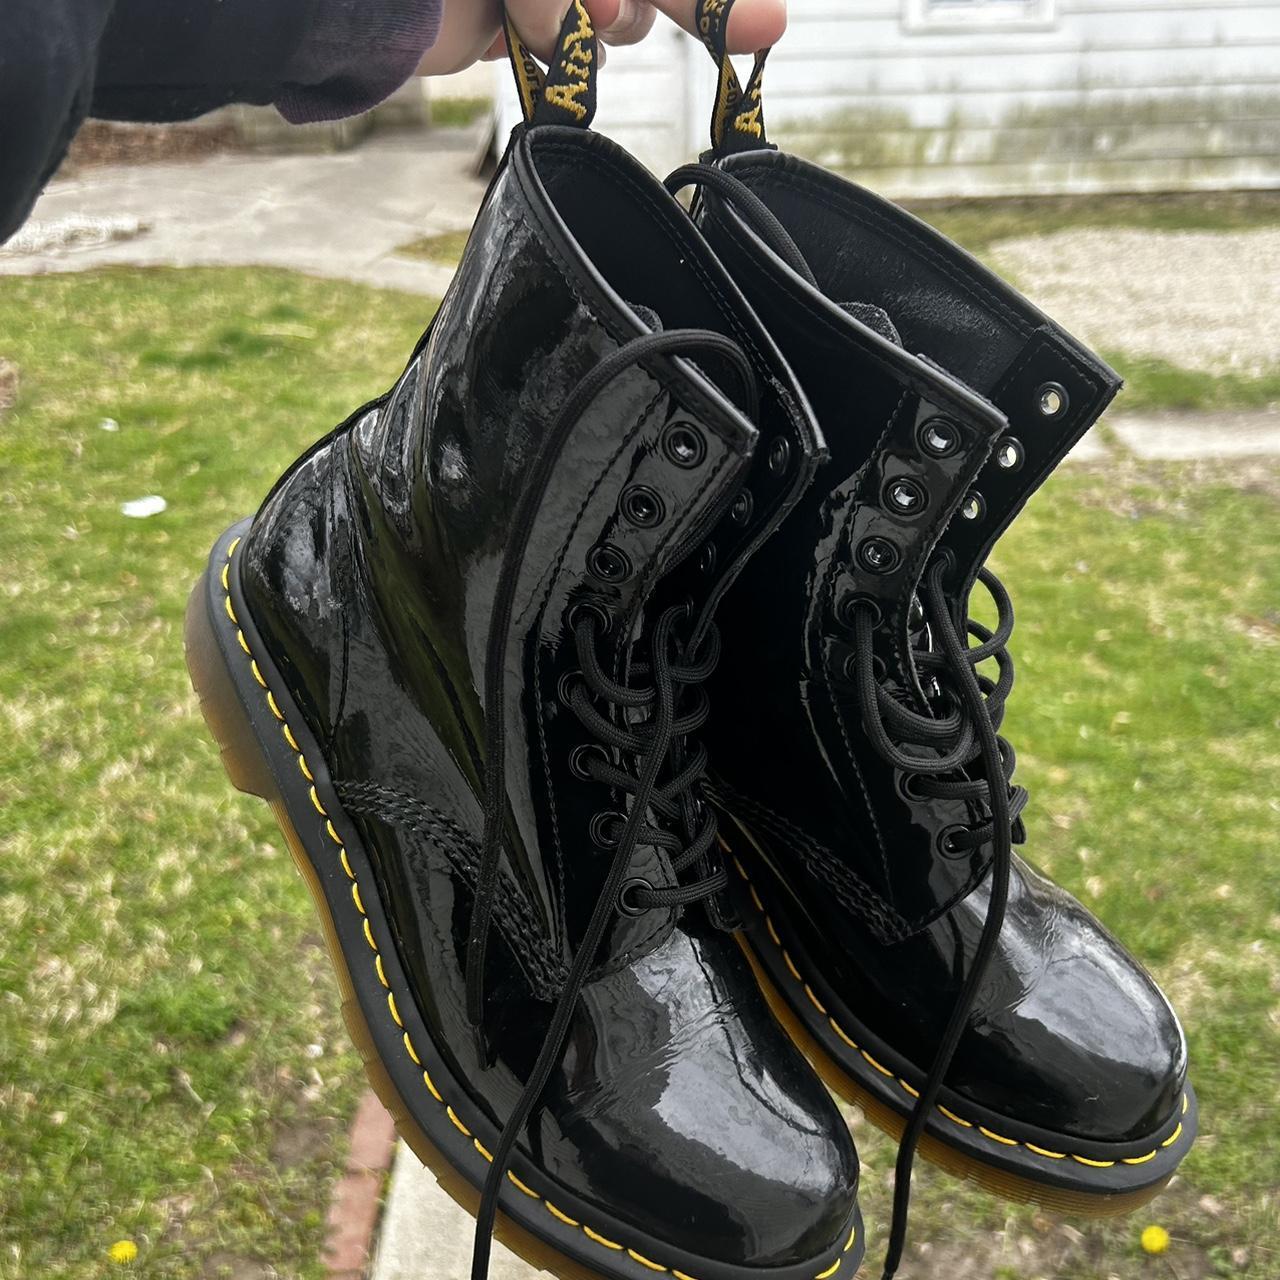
(1114, 95)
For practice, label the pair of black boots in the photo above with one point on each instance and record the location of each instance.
(466, 649)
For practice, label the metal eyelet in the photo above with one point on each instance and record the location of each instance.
(878, 555)
(609, 564)
(642, 506)
(605, 829)
(904, 497)
(579, 757)
(565, 686)
(905, 785)
(741, 508)
(779, 455)
(847, 611)
(683, 445)
(601, 615)
(625, 892)
(707, 558)
(1052, 399)
(938, 437)
(946, 842)
(1009, 454)
(973, 508)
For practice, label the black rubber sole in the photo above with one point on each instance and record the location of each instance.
(1011, 1159)
(269, 751)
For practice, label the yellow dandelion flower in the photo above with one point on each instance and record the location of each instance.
(123, 1252)
(1155, 1239)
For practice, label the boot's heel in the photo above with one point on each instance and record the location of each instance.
(220, 703)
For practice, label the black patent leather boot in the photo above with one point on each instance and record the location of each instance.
(462, 650)
(936, 978)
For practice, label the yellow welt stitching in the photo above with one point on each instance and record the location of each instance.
(680, 1275)
(997, 1137)
(791, 964)
(315, 800)
(915, 1093)
(257, 675)
(842, 1033)
(853, 1235)
(755, 897)
(1186, 1102)
(599, 1239)
(431, 1088)
(333, 832)
(368, 934)
(951, 1115)
(231, 613)
(475, 1142)
(884, 1071)
(1040, 1151)
(382, 975)
(1151, 1155)
(644, 1262)
(817, 1004)
(411, 1051)
(391, 1004)
(564, 1217)
(244, 644)
(1173, 1137)
(235, 542)
(275, 708)
(1093, 1164)
(290, 739)
(457, 1124)
(302, 764)
(742, 871)
(346, 865)
(355, 897)
(533, 1195)
(226, 585)
(830, 1271)
(773, 932)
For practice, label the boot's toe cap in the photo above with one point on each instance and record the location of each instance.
(690, 1115)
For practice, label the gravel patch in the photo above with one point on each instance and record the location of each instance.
(1208, 301)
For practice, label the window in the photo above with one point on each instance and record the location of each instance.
(979, 15)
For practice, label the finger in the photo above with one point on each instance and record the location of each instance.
(634, 21)
(539, 21)
(465, 34)
(753, 24)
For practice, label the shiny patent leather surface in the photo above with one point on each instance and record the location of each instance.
(1071, 1035)
(371, 572)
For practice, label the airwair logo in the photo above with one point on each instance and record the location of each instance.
(737, 120)
(570, 90)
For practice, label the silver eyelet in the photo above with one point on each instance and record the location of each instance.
(597, 611)
(878, 555)
(946, 842)
(905, 784)
(609, 564)
(1009, 454)
(905, 497)
(938, 437)
(741, 507)
(605, 829)
(626, 889)
(1052, 399)
(683, 445)
(707, 558)
(779, 455)
(642, 506)
(566, 685)
(579, 757)
(974, 507)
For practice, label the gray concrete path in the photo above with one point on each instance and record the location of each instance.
(340, 215)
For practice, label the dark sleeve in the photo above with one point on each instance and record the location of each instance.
(174, 59)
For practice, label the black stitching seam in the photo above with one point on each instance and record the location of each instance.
(543, 967)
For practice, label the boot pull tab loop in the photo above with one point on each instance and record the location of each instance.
(737, 122)
(566, 92)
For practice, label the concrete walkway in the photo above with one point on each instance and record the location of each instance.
(340, 215)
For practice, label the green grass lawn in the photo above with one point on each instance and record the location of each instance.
(172, 1064)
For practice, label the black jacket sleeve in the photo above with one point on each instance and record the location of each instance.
(161, 60)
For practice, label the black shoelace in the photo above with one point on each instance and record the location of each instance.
(947, 746)
(967, 733)
(648, 727)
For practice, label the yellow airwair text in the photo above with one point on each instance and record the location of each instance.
(711, 10)
(576, 62)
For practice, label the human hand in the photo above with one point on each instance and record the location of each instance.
(472, 29)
